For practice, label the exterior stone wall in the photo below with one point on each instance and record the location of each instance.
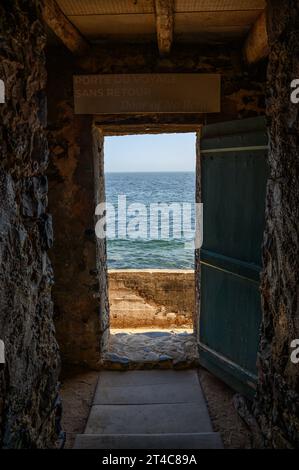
(277, 407)
(151, 298)
(28, 380)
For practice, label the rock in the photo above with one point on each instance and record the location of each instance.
(164, 357)
(112, 357)
(157, 334)
(151, 357)
(171, 316)
(29, 404)
(161, 349)
(276, 414)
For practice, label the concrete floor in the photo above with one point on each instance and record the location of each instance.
(149, 410)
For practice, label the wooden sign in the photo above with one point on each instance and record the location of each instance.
(147, 93)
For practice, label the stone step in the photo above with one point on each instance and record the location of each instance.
(133, 307)
(148, 394)
(133, 300)
(127, 313)
(166, 418)
(130, 298)
(200, 441)
(136, 313)
(149, 410)
(148, 377)
(114, 291)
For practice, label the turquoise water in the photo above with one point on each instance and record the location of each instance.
(173, 252)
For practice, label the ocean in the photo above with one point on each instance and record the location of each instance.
(142, 236)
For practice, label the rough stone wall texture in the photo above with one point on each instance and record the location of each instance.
(243, 90)
(278, 392)
(81, 309)
(151, 298)
(101, 249)
(28, 381)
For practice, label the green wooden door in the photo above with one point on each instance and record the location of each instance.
(233, 190)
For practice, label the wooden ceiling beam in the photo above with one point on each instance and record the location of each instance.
(164, 24)
(256, 46)
(63, 28)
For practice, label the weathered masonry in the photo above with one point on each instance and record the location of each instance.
(52, 268)
(151, 298)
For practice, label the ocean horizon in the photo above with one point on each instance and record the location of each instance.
(163, 187)
(145, 172)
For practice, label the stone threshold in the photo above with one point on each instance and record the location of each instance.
(144, 349)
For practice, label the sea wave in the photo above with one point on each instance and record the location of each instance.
(147, 188)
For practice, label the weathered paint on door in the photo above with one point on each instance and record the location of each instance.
(233, 161)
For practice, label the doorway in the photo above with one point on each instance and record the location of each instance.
(150, 201)
(231, 171)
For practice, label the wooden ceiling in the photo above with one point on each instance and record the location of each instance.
(208, 21)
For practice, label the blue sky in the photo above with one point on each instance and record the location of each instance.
(162, 152)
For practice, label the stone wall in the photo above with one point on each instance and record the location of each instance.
(242, 89)
(28, 381)
(75, 187)
(277, 407)
(151, 298)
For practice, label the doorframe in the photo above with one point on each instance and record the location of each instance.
(100, 131)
